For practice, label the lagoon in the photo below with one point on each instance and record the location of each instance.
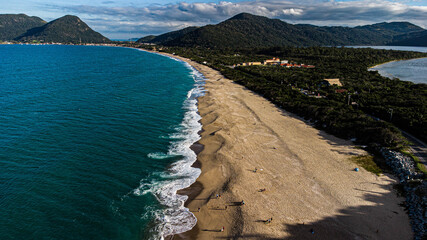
(414, 70)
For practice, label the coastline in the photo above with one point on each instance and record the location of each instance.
(179, 219)
(408, 70)
(393, 61)
(384, 63)
(241, 132)
(307, 175)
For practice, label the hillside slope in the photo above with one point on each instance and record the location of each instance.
(13, 25)
(67, 29)
(166, 36)
(247, 31)
(418, 39)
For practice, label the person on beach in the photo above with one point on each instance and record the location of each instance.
(255, 170)
(262, 190)
(198, 210)
(242, 202)
(222, 229)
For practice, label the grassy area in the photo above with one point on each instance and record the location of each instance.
(368, 163)
(418, 164)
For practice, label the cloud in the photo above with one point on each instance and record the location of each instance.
(155, 19)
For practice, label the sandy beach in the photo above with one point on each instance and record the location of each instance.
(304, 181)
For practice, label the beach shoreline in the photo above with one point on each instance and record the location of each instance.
(309, 184)
(408, 70)
(369, 68)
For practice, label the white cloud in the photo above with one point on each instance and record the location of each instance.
(155, 19)
(292, 11)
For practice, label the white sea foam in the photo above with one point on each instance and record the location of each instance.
(175, 218)
(159, 155)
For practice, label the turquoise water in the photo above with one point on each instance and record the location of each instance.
(414, 70)
(94, 142)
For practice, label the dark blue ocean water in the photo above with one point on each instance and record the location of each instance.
(94, 142)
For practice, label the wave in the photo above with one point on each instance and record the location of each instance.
(175, 218)
(159, 155)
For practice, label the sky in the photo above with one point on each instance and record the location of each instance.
(124, 19)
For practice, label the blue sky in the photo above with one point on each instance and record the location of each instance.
(122, 19)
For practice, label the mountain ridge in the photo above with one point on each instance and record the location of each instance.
(418, 39)
(245, 30)
(13, 25)
(166, 36)
(67, 29)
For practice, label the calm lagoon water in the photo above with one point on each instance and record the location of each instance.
(414, 70)
(94, 142)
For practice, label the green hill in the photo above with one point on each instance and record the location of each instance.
(393, 28)
(167, 36)
(418, 39)
(247, 31)
(67, 29)
(146, 39)
(13, 25)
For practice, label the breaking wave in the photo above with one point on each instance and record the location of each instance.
(175, 218)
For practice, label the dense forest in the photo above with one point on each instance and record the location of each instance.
(367, 107)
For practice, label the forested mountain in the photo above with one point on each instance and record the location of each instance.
(67, 29)
(13, 25)
(167, 36)
(247, 31)
(146, 39)
(393, 28)
(413, 39)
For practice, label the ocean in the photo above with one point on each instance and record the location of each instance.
(414, 70)
(94, 142)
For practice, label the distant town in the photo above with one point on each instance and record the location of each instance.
(274, 61)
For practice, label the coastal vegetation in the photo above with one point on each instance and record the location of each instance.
(420, 166)
(367, 108)
(368, 163)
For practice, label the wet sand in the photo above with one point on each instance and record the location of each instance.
(311, 188)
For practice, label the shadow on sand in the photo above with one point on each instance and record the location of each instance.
(382, 220)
